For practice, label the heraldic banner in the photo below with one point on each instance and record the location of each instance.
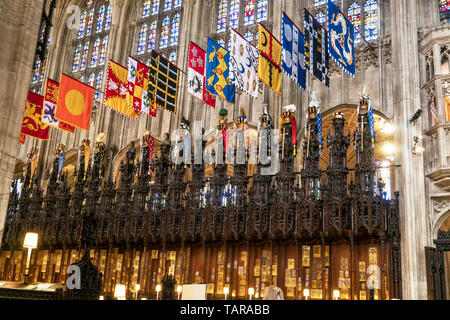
(244, 64)
(163, 83)
(116, 90)
(316, 56)
(196, 75)
(341, 39)
(32, 124)
(269, 62)
(293, 63)
(74, 102)
(218, 72)
(50, 103)
(137, 85)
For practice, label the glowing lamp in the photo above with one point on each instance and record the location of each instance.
(336, 294)
(120, 292)
(306, 293)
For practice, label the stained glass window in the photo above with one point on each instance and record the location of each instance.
(103, 51)
(371, 20)
(173, 56)
(177, 3)
(155, 7)
(318, 2)
(82, 25)
(100, 18)
(175, 32)
(354, 14)
(222, 16)
(249, 12)
(146, 8)
(142, 39)
(167, 5)
(90, 21)
(44, 66)
(262, 10)
(320, 16)
(444, 9)
(234, 13)
(152, 36)
(165, 33)
(95, 53)
(85, 55)
(98, 85)
(77, 58)
(37, 71)
(108, 17)
(248, 36)
(91, 80)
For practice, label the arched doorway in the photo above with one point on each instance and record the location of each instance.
(438, 263)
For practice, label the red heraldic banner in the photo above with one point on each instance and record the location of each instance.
(116, 90)
(75, 102)
(50, 102)
(196, 75)
(22, 138)
(32, 124)
(137, 95)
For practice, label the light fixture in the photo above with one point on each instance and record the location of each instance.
(101, 298)
(158, 290)
(256, 295)
(226, 291)
(179, 290)
(388, 128)
(385, 164)
(120, 292)
(143, 298)
(416, 116)
(417, 149)
(388, 149)
(336, 294)
(251, 292)
(306, 293)
(137, 287)
(30, 242)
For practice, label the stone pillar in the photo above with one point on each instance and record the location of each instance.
(411, 177)
(18, 34)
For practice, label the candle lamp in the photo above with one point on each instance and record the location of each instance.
(306, 293)
(226, 291)
(30, 242)
(336, 294)
(158, 290)
(179, 290)
(137, 287)
(120, 292)
(251, 292)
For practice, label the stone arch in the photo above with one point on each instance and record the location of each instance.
(440, 221)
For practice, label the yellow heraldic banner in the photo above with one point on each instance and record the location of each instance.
(269, 62)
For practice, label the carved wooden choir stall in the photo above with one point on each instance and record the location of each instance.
(326, 233)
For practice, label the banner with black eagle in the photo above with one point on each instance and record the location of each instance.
(316, 55)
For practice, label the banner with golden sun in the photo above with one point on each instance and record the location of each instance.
(75, 102)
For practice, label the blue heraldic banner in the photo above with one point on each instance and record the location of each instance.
(218, 72)
(316, 49)
(293, 62)
(341, 39)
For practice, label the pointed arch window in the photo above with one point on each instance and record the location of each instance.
(249, 14)
(263, 6)
(354, 13)
(90, 22)
(146, 8)
(234, 13)
(444, 10)
(167, 5)
(95, 53)
(108, 17)
(104, 50)
(77, 59)
(85, 56)
(175, 32)
(37, 71)
(164, 42)
(98, 85)
(82, 24)
(222, 16)
(152, 36)
(100, 18)
(371, 20)
(142, 39)
(160, 29)
(91, 79)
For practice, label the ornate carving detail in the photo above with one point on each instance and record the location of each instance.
(441, 206)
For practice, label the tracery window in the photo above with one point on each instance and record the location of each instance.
(363, 14)
(91, 44)
(444, 10)
(242, 15)
(158, 28)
